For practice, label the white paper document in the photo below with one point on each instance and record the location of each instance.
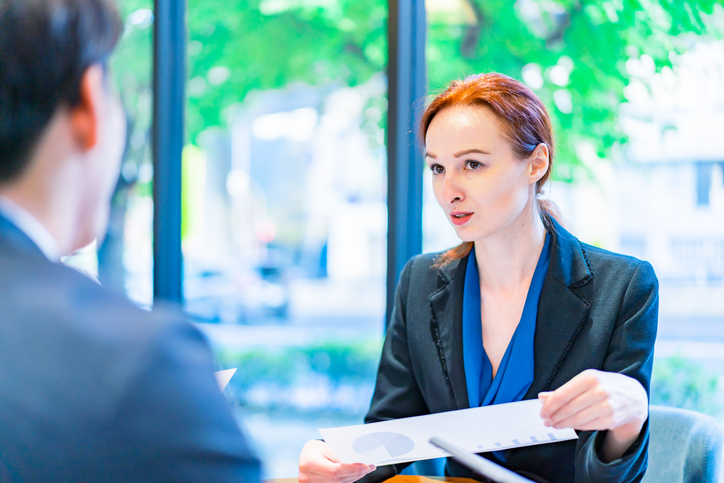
(477, 430)
(223, 377)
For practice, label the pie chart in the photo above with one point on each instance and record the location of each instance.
(382, 446)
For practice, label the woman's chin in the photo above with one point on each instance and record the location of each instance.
(465, 236)
(469, 233)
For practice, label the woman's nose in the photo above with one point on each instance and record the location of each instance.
(451, 190)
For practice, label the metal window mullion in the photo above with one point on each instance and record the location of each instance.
(407, 85)
(169, 78)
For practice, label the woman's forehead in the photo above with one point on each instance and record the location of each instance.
(469, 125)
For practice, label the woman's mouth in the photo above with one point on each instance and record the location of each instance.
(460, 217)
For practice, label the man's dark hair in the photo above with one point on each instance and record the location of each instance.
(45, 48)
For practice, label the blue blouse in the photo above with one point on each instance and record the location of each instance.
(515, 373)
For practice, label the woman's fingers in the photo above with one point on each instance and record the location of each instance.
(353, 478)
(591, 398)
(333, 472)
(595, 400)
(583, 418)
(553, 401)
(342, 473)
(318, 464)
(336, 471)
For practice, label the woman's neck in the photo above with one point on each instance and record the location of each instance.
(507, 258)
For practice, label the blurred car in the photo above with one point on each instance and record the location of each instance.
(249, 296)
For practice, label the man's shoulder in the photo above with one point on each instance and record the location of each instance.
(33, 284)
(54, 315)
(96, 378)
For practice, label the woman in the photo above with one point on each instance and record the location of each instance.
(521, 309)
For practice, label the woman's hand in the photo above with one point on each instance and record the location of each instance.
(596, 400)
(317, 464)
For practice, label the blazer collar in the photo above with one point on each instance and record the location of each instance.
(561, 313)
(569, 263)
(447, 322)
(562, 309)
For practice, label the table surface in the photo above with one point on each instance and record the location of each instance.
(398, 479)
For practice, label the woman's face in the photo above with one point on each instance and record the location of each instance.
(481, 185)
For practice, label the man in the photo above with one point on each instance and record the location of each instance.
(91, 388)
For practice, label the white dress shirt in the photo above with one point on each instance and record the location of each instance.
(31, 227)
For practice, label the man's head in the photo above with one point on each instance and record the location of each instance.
(60, 128)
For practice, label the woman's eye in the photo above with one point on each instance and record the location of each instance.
(474, 164)
(437, 169)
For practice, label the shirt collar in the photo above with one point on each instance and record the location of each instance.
(31, 227)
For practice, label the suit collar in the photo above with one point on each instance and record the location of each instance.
(561, 313)
(31, 227)
(14, 236)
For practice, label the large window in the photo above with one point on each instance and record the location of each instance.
(284, 214)
(284, 210)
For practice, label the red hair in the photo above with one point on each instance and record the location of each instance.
(524, 120)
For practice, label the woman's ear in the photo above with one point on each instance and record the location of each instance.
(85, 115)
(539, 162)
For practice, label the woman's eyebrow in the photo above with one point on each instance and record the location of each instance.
(428, 154)
(468, 151)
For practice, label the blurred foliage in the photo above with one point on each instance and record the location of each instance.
(238, 46)
(193, 178)
(676, 381)
(132, 69)
(340, 362)
(681, 383)
(588, 41)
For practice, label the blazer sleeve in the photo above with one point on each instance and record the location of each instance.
(630, 352)
(172, 421)
(397, 394)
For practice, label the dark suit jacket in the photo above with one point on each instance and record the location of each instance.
(597, 310)
(94, 389)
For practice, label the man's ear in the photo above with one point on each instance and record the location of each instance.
(85, 115)
(539, 162)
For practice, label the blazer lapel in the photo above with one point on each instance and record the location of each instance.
(446, 307)
(562, 311)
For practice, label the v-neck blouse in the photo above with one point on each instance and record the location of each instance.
(515, 372)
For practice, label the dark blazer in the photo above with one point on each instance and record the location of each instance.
(94, 389)
(597, 310)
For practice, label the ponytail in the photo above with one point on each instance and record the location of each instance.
(549, 211)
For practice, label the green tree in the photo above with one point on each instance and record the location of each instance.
(238, 46)
(577, 49)
(131, 68)
(681, 383)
